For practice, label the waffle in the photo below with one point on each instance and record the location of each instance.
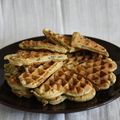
(83, 98)
(36, 74)
(28, 57)
(11, 76)
(99, 72)
(81, 42)
(65, 81)
(58, 39)
(53, 101)
(44, 45)
(83, 56)
(75, 79)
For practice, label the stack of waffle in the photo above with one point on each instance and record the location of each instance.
(59, 68)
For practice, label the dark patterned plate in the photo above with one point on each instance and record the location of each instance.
(32, 105)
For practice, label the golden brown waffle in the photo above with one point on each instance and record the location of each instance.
(58, 39)
(36, 74)
(11, 76)
(99, 72)
(78, 41)
(29, 57)
(83, 56)
(44, 45)
(65, 81)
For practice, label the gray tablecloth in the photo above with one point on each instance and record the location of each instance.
(20, 19)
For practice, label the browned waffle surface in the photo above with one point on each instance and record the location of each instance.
(83, 56)
(36, 74)
(99, 72)
(64, 81)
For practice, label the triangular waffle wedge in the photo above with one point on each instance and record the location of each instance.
(11, 76)
(65, 81)
(99, 72)
(29, 57)
(78, 41)
(44, 45)
(37, 73)
(58, 39)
